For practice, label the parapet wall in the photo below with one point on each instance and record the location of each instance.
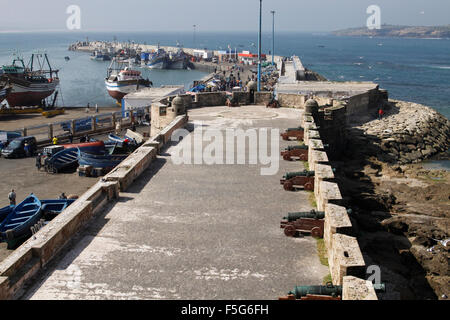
(346, 263)
(34, 255)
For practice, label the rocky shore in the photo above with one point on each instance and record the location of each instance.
(401, 211)
(408, 133)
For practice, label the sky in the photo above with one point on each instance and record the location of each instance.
(215, 15)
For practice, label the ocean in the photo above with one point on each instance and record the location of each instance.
(415, 70)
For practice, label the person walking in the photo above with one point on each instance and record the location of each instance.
(55, 141)
(38, 161)
(26, 148)
(12, 198)
(380, 114)
(63, 196)
(96, 108)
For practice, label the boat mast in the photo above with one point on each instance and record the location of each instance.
(48, 62)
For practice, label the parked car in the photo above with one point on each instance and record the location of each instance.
(16, 148)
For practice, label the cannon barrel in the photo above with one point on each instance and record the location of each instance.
(327, 290)
(305, 173)
(313, 214)
(295, 129)
(302, 147)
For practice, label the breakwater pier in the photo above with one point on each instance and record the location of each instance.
(158, 228)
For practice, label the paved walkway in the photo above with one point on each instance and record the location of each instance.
(193, 231)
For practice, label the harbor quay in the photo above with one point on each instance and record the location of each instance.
(156, 227)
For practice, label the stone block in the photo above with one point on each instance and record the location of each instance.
(345, 259)
(357, 289)
(337, 221)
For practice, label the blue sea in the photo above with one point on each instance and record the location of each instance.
(415, 70)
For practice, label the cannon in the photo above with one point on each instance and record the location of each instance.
(298, 152)
(273, 104)
(304, 225)
(233, 102)
(296, 133)
(327, 292)
(313, 214)
(304, 179)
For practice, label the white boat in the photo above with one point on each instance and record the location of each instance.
(122, 80)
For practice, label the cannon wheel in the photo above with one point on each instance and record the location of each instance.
(309, 186)
(285, 137)
(290, 231)
(288, 186)
(316, 232)
(287, 157)
(304, 157)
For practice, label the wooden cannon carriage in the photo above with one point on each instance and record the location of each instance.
(296, 133)
(295, 153)
(303, 179)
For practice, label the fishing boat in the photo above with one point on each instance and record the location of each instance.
(178, 60)
(4, 212)
(158, 59)
(100, 56)
(18, 223)
(121, 79)
(62, 160)
(95, 147)
(30, 84)
(55, 207)
(67, 159)
(104, 161)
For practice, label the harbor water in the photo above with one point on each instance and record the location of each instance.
(416, 70)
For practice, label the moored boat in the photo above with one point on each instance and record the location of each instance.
(100, 56)
(67, 158)
(122, 79)
(30, 86)
(104, 161)
(18, 223)
(54, 207)
(4, 212)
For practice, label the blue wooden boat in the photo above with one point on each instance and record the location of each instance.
(18, 223)
(63, 160)
(105, 161)
(68, 158)
(4, 212)
(55, 206)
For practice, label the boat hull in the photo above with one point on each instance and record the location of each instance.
(100, 161)
(19, 222)
(119, 89)
(26, 94)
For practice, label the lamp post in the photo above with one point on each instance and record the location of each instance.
(259, 46)
(194, 35)
(273, 37)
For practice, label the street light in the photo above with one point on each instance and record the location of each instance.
(273, 37)
(259, 46)
(194, 35)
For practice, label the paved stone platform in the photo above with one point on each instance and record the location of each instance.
(193, 231)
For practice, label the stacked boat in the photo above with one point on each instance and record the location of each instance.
(17, 223)
(65, 157)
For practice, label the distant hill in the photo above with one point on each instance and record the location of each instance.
(398, 31)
